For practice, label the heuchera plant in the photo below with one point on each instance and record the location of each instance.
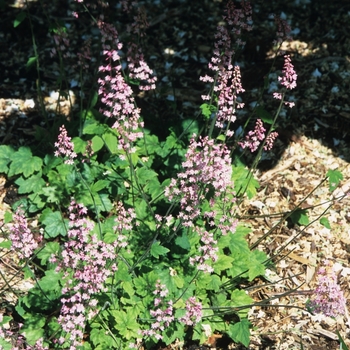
(130, 254)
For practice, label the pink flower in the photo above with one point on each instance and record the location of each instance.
(289, 76)
(208, 251)
(228, 77)
(207, 166)
(23, 241)
(163, 315)
(270, 140)
(254, 137)
(116, 95)
(329, 298)
(64, 146)
(194, 312)
(283, 30)
(87, 262)
(139, 69)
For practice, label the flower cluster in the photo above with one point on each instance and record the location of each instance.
(194, 312)
(254, 138)
(162, 317)
(18, 341)
(329, 298)
(65, 147)
(228, 77)
(23, 241)
(116, 94)
(206, 176)
(208, 251)
(84, 56)
(283, 30)
(207, 166)
(139, 69)
(86, 263)
(289, 77)
(288, 80)
(140, 23)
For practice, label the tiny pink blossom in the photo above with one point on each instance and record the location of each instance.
(329, 298)
(194, 312)
(64, 146)
(270, 141)
(23, 241)
(254, 137)
(277, 95)
(289, 76)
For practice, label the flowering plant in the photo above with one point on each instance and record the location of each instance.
(133, 253)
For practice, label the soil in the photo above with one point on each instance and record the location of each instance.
(313, 136)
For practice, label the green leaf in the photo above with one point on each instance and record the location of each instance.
(256, 268)
(8, 217)
(240, 332)
(157, 250)
(111, 141)
(341, 340)
(33, 328)
(214, 283)
(33, 184)
(300, 217)
(239, 298)
(141, 209)
(236, 242)
(325, 222)
(19, 19)
(23, 162)
(93, 128)
(5, 345)
(50, 283)
(224, 262)
(51, 194)
(244, 181)
(128, 287)
(102, 202)
(173, 332)
(6, 153)
(144, 175)
(155, 189)
(190, 127)
(125, 323)
(221, 137)
(97, 143)
(334, 177)
(149, 144)
(179, 281)
(264, 115)
(44, 295)
(31, 61)
(123, 273)
(99, 185)
(51, 162)
(207, 110)
(79, 145)
(141, 286)
(5, 244)
(50, 249)
(54, 224)
(5, 320)
(183, 242)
